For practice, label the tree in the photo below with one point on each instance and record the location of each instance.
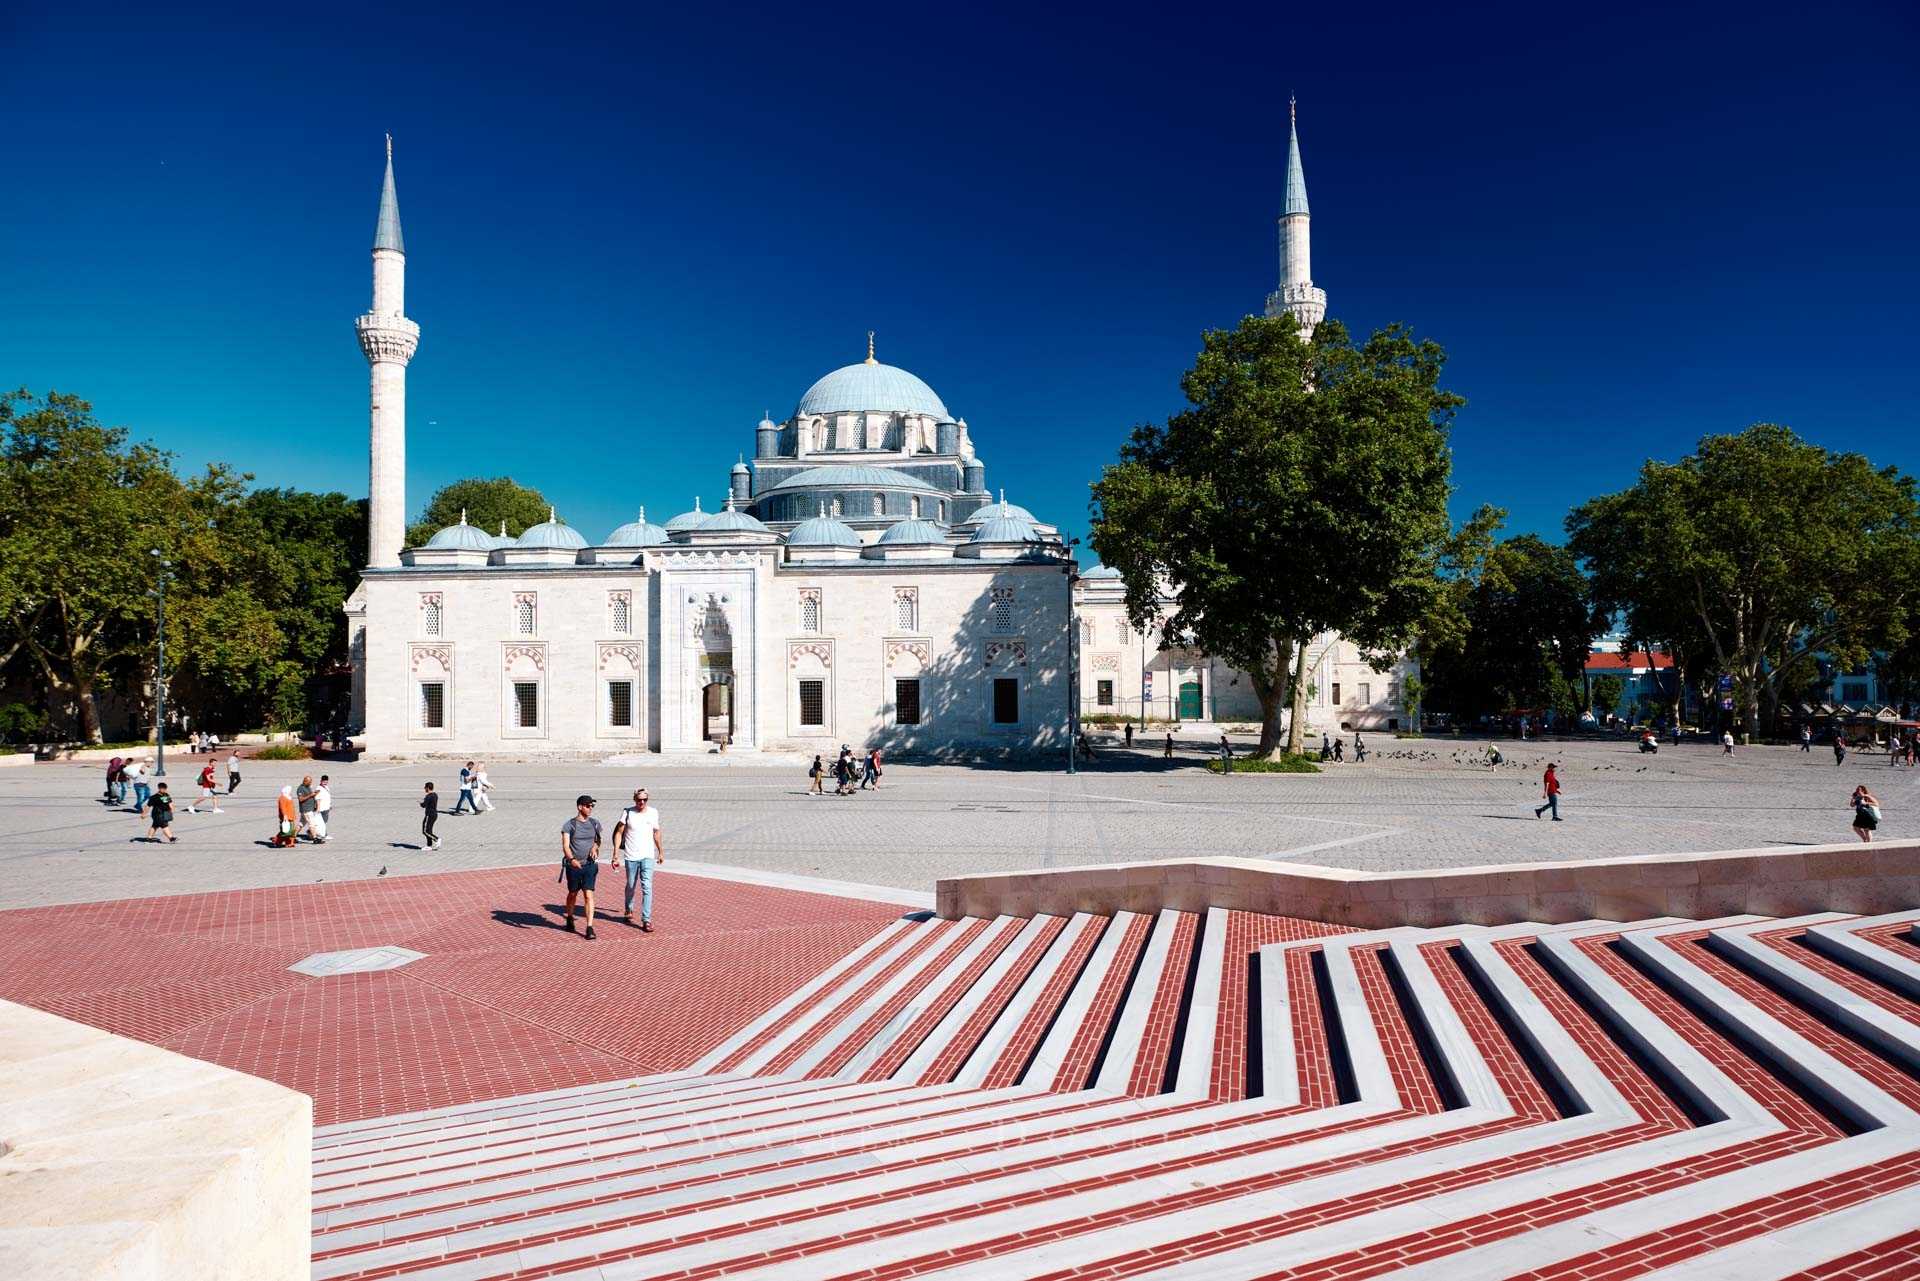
(485, 502)
(1607, 691)
(1303, 491)
(1523, 635)
(1763, 550)
(80, 508)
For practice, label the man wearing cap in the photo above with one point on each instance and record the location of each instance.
(580, 857)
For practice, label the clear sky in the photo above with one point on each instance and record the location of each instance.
(632, 230)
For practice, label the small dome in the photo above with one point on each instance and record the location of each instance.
(871, 386)
(822, 531)
(1005, 529)
(463, 536)
(1003, 508)
(503, 538)
(552, 534)
(687, 520)
(1101, 573)
(637, 533)
(731, 521)
(913, 533)
(740, 468)
(767, 424)
(845, 475)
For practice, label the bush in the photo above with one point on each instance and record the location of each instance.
(283, 752)
(1278, 764)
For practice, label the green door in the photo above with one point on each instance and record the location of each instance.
(1190, 700)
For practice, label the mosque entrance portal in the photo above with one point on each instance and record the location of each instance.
(716, 706)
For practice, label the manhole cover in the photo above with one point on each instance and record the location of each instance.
(360, 960)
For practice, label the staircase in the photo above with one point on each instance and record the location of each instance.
(1219, 1095)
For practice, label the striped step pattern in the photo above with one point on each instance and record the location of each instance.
(1219, 1095)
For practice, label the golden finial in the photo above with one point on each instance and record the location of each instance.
(870, 359)
(389, 148)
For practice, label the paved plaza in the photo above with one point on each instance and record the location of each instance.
(1415, 805)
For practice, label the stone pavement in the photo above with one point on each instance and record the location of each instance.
(1418, 805)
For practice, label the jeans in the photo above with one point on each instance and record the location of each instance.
(1553, 803)
(640, 871)
(140, 793)
(465, 802)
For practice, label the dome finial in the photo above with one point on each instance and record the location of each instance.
(552, 516)
(503, 527)
(823, 509)
(696, 502)
(641, 519)
(1003, 495)
(463, 515)
(870, 359)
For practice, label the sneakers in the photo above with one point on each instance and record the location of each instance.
(590, 933)
(570, 928)
(646, 927)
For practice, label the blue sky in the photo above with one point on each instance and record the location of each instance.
(630, 232)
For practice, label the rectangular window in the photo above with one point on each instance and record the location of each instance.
(813, 703)
(1366, 694)
(620, 704)
(433, 704)
(810, 611)
(879, 505)
(1006, 701)
(430, 615)
(906, 702)
(523, 615)
(1336, 693)
(1000, 610)
(1121, 632)
(526, 704)
(906, 611)
(1105, 694)
(622, 614)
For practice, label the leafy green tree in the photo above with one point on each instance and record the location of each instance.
(1527, 627)
(1763, 550)
(1607, 691)
(1304, 490)
(486, 504)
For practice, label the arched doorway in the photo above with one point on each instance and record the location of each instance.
(716, 710)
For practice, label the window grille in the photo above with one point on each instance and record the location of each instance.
(620, 704)
(523, 615)
(813, 703)
(433, 704)
(906, 702)
(810, 611)
(430, 615)
(622, 614)
(526, 704)
(1000, 611)
(1106, 693)
(906, 610)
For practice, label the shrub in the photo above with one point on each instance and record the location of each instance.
(283, 752)
(1278, 764)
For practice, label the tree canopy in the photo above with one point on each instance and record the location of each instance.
(1303, 491)
(486, 503)
(1519, 626)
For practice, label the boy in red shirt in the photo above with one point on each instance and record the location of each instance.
(1550, 788)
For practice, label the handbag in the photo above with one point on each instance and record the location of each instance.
(1869, 811)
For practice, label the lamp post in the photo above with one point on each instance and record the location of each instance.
(159, 593)
(1073, 661)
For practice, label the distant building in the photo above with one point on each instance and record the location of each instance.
(1645, 678)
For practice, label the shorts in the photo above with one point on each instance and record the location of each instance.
(582, 877)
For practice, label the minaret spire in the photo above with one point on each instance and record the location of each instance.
(1297, 293)
(388, 339)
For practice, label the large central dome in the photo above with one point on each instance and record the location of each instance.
(871, 386)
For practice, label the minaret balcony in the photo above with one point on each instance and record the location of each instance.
(1307, 303)
(387, 338)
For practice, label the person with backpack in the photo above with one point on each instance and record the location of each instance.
(580, 857)
(816, 773)
(1866, 812)
(637, 848)
(206, 791)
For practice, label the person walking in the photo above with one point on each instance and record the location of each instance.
(1806, 738)
(1726, 742)
(1839, 748)
(1129, 733)
(137, 775)
(1340, 750)
(305, 796)
(114, 767)
(870, 770)
(481, 786)
(1550, 788)
(160, 815)
(1226, 755)
(1866, 812)
(322, 811)
(429, 815)
(637, 847)
(289, 816)
(580, 857)
(464, 802)
(816, 773)
(1168, 753)
(206, 792)
(1895, 749)
(1326, 747)
(1359, 749)
(233, 772)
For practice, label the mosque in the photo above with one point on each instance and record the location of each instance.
(860, 584)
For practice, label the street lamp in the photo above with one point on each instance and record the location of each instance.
(1073, 661)
(159, 593)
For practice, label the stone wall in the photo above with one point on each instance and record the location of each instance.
(122, 1160)
(1851, 877)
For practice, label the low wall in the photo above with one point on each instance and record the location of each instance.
(11, 760)
(125, 1161)
(1851, 877)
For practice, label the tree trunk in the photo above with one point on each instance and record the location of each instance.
(1297, 722)
(1269, 679)
(89, 714)
(1271, 701)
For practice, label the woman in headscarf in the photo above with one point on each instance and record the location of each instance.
(289, 816)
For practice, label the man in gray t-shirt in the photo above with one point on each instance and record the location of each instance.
(580, 857)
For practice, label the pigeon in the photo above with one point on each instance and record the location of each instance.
(383, 869)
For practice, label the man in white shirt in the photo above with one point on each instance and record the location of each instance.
(322, 810)
(636, 849)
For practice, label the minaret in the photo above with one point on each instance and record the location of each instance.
(388, 338)
(1297, 292)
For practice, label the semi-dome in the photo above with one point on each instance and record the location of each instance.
(853, 475)
(687, 520)
(463, 537)
(872, 385)
(551, 533)
(822, 531)
(731, 521)
(995, 511)
(1005, 529)
(639, 532)
(913, 533)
